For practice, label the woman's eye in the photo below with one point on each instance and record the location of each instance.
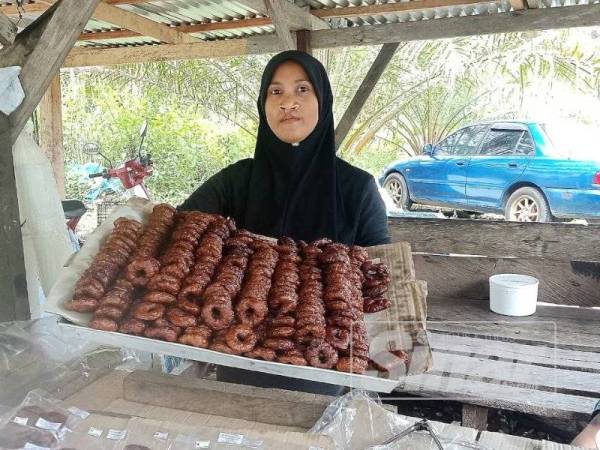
(275, 91)
(304, 89)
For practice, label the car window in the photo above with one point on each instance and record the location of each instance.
(469, 140)
(525, 145)
(501, 142)
(446, 146)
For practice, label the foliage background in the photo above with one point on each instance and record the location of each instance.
(202, 114)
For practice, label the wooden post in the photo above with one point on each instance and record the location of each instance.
(14, 302)
(364, 91)
(303, 40)
(40, 50)
(51, 132)
(474, 416)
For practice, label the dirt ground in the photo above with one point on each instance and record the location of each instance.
(501, 421)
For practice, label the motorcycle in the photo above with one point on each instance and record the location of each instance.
(130, 174)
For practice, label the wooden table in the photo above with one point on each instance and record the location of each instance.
(547, 364)
(154, 396)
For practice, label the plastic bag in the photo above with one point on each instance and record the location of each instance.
(358, 420)
(40, 354)
(45, 237)
(38, 421)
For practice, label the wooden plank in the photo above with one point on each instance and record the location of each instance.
(14, 302)
(8, 30)
(385, 55)
(561, 241)
(390, 8)
(41, 49)
(518, 374)
(274, 406)
(561, 282)
(51, 132)
(543, 355)
(507, 442)
(474, 416)
(82, 57)
(529, 401)
(578, 330)
(282, 24)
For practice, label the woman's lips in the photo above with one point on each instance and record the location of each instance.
(289, 119)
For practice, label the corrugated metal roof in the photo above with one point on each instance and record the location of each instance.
(192, 12)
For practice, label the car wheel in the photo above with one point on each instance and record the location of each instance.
(395, 186)
(527, 204)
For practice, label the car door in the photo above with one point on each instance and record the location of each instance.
(457, 164)
(442, 176)
(424, 180)
(505, 152)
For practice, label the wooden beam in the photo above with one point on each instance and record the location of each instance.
(51, 132)
(303, 41)
(82, 57)
(196, 28)
(14, 302)
(389, 8)
(41, 50)
(364, 91)
(8, 30)
(528, 20)
(282, 25)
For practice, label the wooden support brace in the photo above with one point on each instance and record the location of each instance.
(364, 91)
(282, 26)
(8, 30)
(41, 50)
(474, 416)
(14, 302)
(297, 18)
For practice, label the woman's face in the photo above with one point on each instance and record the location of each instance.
(291, 106)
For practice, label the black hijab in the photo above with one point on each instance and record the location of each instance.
(292, 190)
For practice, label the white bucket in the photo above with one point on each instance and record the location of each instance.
(513, 294)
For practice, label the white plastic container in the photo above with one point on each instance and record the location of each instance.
(513, 295)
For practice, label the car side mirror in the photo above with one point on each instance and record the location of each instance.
(428, 149)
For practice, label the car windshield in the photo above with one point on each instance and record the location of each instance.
(572, 140)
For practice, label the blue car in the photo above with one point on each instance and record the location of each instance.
(512, 168)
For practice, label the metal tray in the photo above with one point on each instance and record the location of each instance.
(370, 383)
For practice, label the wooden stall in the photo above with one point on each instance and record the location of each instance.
(546, 364)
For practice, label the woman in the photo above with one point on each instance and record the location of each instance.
(295, 185)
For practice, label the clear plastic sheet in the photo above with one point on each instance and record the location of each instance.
(38, 354)
(38, 422)
(358, 420)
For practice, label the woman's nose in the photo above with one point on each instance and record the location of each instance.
(288, 106)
